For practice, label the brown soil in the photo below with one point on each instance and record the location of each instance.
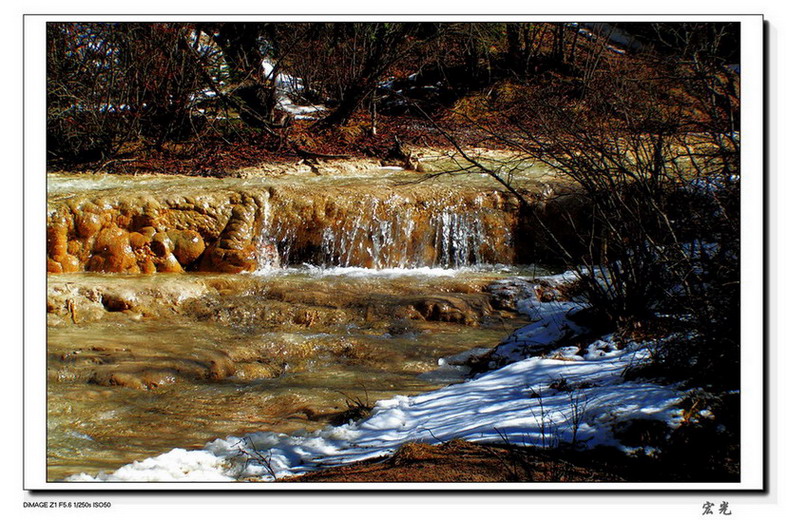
(694, 453)
(461, 461)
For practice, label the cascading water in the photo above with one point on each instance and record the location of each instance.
(449, 229)
(175, 360)
(244, 225)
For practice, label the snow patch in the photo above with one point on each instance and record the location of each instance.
(562, 397)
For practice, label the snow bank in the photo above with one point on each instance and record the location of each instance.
(570, 395)
(286, 87)
(551, 316)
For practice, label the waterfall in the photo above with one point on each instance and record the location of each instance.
(450, 230)
(162, 226)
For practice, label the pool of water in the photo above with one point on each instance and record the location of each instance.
(279, 350)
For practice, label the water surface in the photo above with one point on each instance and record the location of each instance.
(280, 350)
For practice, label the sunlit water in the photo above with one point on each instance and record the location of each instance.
(302, 344)
(183, 359)
(66, 184)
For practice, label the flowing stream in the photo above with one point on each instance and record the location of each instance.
(362, 288)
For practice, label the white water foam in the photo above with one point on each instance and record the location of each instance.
(361, 272)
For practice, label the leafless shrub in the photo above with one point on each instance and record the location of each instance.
(110, 84)
(648, 150)
(253, 455)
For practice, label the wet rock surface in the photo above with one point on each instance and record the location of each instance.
(152, 314)
(138, 364)
(240, 225)
(159, 335)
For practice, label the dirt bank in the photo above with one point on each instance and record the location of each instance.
(458, 461)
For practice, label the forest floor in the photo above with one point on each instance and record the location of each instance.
(459, 461)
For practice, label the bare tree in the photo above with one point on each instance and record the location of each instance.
(649, 151)
(109, 84)
(248, 87)
(384, 44)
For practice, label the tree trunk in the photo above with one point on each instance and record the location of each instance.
(353, 97)
(513, 56)
(254, 94)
